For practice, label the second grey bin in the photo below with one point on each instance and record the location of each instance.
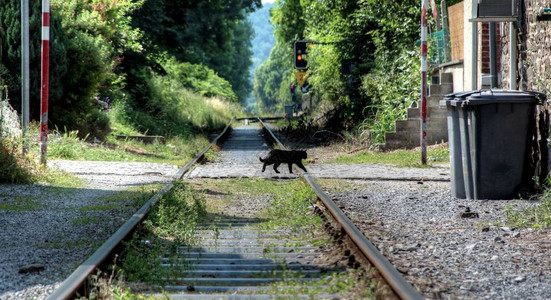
(455, 123)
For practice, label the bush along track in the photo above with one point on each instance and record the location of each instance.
(236, 236)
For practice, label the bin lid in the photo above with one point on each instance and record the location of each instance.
(458, 96)
(504, 96)
(462, 95)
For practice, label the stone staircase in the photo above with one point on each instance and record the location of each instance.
(407, 134)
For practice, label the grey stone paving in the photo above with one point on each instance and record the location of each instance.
(239, 159)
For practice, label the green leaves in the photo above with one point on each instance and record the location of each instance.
(364, 62)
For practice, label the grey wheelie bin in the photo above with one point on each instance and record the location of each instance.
(455, 123)
(494, 130)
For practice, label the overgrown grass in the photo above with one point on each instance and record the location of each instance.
(173, 222)
(17, 168)
(343, 283)
(177, 213)
(289, 202)
(292, 207)
(110, 285)
(19, 203)
(392, 86)
(172, 109)
(536, 216)
(68, 146)
(170, 223)
(399, 158)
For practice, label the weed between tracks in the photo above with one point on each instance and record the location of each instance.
(171, 226)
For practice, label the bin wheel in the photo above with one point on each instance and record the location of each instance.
(524, 193)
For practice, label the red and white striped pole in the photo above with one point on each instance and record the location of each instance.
(423, 105)
(45, 80)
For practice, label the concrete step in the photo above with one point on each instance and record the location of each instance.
(440, 89)
(437, 112)
(413, 113)
(437, 137)
(406, 137)
(408, 125)
(434, 122)
(446, 78)
(409, 140)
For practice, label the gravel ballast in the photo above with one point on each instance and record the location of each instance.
(451, 248)
(49, 234)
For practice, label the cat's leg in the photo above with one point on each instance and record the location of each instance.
(276, 164)
(300, 165)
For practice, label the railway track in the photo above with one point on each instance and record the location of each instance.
(236, 258)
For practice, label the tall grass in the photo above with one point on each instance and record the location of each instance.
(538, 215)
(168, 107)
(393, 86)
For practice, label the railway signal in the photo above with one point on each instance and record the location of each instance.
(300, 54)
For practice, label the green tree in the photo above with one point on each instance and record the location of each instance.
(352, 39)
(210, 32)
(10, 20)
(86, 39)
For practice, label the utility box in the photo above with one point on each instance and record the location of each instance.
(498, 9)
(289, 111)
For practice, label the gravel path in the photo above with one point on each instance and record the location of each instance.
(46, 232)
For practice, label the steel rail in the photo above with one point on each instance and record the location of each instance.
(397, 282)
(70, 286)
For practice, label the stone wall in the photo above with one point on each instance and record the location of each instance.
(534, 48)
(9, 121)
(533, 74)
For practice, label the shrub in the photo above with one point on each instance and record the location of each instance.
(393, 86)
(200, 79)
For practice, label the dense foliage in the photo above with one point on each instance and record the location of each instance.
(171, 103)
(210, 32)
(363, 62)
(113, 51)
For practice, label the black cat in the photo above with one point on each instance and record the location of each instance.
(290, 157)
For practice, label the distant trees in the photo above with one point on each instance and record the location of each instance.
(264, 39)
(210, 32)
(101, 49)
